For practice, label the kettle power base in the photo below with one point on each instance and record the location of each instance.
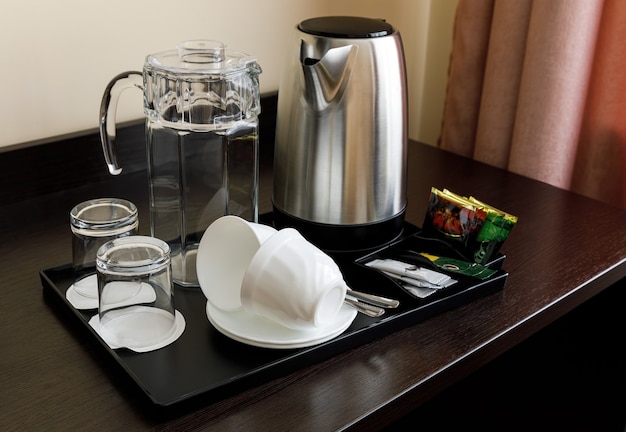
(334, 238)
(204, 366)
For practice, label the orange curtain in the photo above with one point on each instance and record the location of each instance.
(538, 87)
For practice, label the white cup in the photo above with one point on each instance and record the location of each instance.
(226, 248)
(292, 282)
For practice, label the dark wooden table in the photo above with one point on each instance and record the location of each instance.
(565, 250)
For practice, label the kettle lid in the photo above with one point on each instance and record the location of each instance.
(346, 27)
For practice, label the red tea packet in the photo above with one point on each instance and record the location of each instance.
(474, 229)
(454, 219)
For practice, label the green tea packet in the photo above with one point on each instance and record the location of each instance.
(474, 229)
(462, 267)
(493, 232)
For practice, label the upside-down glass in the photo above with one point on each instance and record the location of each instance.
(201, 103)
(136, 298)
(94, 223)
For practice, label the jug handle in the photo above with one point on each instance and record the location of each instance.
(108, 109)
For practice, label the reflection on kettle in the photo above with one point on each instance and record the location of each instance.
(326, 78)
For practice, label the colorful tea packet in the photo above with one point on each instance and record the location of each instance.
(493, 233)
(454, 219)
(474, 229)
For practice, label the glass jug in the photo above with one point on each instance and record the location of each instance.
(201, 103)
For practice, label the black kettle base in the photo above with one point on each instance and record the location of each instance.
(342, 238)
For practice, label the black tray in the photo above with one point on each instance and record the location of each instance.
(203, 363)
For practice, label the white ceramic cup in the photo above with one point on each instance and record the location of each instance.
(226, 248)
(292, 282)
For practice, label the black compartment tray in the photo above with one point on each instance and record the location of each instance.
(203, 363)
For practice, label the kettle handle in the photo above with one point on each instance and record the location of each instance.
(108, 109)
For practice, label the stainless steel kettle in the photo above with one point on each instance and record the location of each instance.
(341, 134)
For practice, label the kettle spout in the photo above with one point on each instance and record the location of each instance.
(326, 78)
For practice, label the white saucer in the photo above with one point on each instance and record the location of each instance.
(179, 328)
(255, 330)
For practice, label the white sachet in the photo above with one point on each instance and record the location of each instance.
(420, 292)
(410, 271)
(421, 283)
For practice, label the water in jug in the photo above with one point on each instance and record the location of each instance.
(201, 103)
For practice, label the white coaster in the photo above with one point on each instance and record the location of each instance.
(78, 297)
(144, 295)
(149, 323)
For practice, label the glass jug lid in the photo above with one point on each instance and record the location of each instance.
(201, 83)
(201, 56)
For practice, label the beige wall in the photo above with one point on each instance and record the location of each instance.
(57, 56)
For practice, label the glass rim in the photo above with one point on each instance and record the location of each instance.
(82, 215)
(132, 255)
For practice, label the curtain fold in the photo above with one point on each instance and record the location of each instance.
(537, 87)
(600, 169)
(465, 78)
(503, 74)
